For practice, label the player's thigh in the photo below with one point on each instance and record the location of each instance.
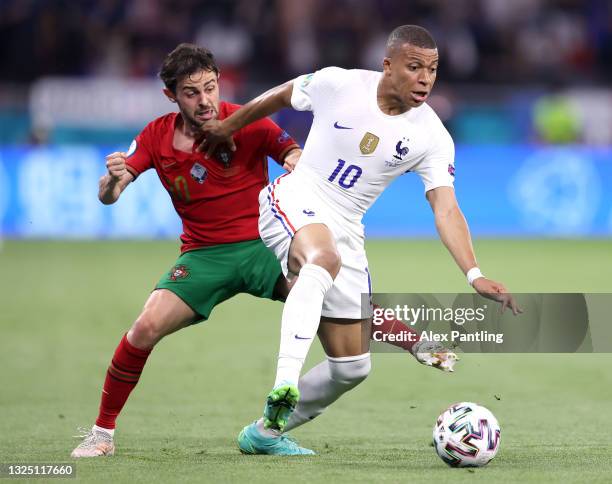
(349, 297)
(314, 244)
(163, 313)
(204, 278)
(345, 337)
(292, 221)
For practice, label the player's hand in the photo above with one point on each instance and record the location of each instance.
(431, 353)
(291, 159)
(497, 292)
(215, 134)
(115, 164)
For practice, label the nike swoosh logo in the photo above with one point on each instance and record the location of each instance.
(299, 337)
(337, 126)
(166, 165)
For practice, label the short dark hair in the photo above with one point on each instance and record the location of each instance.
(410, 34)
(185, 60)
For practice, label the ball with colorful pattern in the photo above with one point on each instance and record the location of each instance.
(466, 435)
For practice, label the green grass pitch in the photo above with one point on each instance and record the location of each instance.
(64, 307)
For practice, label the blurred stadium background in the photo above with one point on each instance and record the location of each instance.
(523, 87)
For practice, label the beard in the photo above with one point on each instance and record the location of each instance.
(191, 118)
(193, 121)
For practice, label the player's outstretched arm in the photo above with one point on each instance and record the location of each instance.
(220, 132)
(116, 179)
(455, 235)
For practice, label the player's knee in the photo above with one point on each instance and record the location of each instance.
(328, 258)
(350, 372)
(146, 331)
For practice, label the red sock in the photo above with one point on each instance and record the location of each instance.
(396, 327)
(121, 378)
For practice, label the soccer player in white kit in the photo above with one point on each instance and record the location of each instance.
(368, 129)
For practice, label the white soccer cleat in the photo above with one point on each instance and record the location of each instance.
(96, 443)
(431, 353)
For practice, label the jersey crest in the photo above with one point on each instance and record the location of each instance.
(178, 272)
(199, 173)
(225, 156)
(400, 150)
(368, 144)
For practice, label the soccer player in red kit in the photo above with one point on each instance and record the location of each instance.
(216, 198)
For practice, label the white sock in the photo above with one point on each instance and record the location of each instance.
(325, 383)
(259, 425)
(301, 316)
(102, 429)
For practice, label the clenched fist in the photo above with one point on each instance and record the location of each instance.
(115, 164)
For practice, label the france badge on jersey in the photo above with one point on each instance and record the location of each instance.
(401, 150)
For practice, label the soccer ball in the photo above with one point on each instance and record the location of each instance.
(466, 435)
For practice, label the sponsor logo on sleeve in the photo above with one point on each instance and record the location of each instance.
(283, 138)
(451, 170)
(307, 80)
(132, 149)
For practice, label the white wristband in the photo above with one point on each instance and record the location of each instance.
(473, 274)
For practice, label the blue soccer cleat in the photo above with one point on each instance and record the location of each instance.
(250, 441)
(280, 404)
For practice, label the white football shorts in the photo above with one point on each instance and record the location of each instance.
(288, 204)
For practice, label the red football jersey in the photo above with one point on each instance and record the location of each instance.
(217, 203)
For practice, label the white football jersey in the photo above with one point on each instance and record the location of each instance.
(354, 150)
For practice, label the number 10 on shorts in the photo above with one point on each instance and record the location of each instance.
(350, 173)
